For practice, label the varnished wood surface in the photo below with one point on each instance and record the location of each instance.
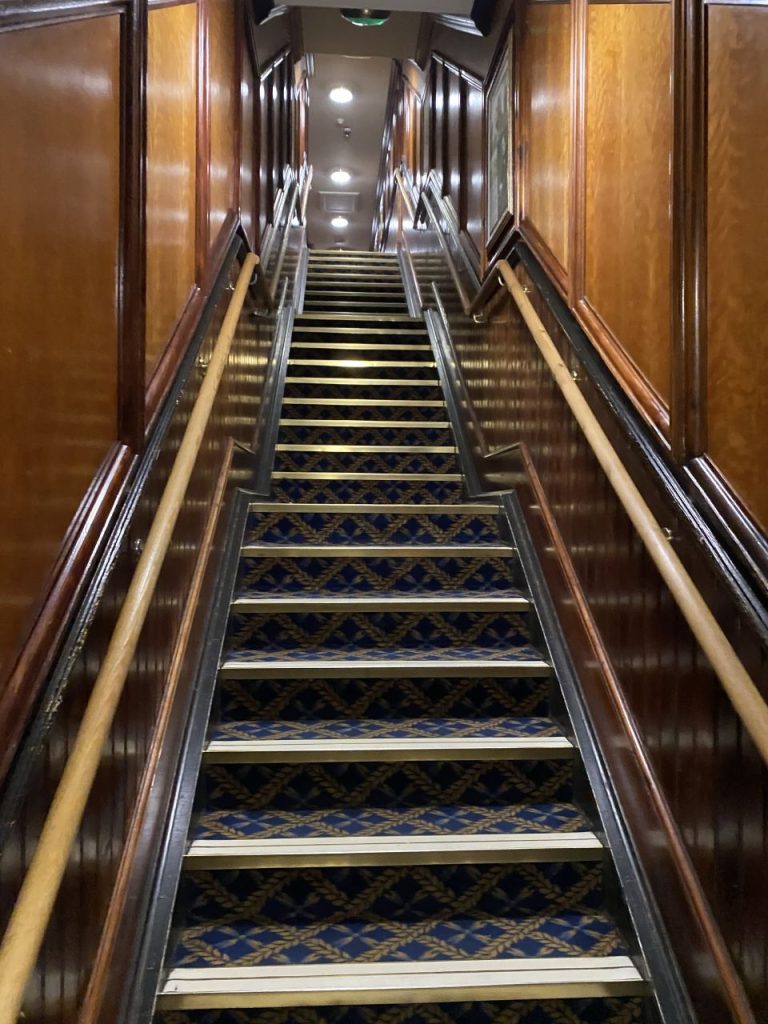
(709, 786)
(223, 107)
(628, 146)
(72, 940)
(546, 123)
(737, 301)
(59, 211)
(171, 170)
(474, 167)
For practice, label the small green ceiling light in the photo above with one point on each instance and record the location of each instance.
(364, 16)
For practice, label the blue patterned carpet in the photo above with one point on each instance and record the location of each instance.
(573, 1011)
(399, 575)
(422, 912)
(436, 636)
(290, 527)
(374, 915)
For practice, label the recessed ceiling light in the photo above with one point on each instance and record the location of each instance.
(339, 222)
(364, 16)
(341, 177)
(341, 94)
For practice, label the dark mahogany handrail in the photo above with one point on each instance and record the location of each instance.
(31, 914)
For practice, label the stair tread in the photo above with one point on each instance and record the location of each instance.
(422, 913)
(367, 851)
(469, 819)
(377, 728)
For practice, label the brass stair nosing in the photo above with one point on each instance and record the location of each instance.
(376, 364)
(369, 449)
(362, 346)
(426, 403)
(365, 602)
(465, 748)
(479, 551)
(386, 668)
(416, 478)
(370, 851)
(373, 424)
(363, 382)
(522, 978)
(465, 509)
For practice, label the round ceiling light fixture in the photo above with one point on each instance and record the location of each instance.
(339, 222)
(364, 17)
(340, 176)
(341, 94)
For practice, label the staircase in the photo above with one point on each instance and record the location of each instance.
(388, 827)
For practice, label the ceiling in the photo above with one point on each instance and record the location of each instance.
(368, 79)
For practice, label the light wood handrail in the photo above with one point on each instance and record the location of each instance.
(32, 912)
(736, 681)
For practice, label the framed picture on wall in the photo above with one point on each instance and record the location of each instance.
(498, 146)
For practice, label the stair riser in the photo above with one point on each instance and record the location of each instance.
(385, 700)
(355, 392)
(336, 414)
(365, 462)
(368, 492)
(375, 915)
(381, 437)
(398, 576)
(288, 527)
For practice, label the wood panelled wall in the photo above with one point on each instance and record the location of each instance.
(123, 127)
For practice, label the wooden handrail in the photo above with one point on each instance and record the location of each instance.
(736, 681)
(32, 912)
(406, 194)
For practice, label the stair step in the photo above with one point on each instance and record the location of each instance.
(399, 573)
(466, 509)
(381, 602)
(385, 489)
(350, 449)
(370, 526)
(362, 382)
(374, 349)
(464, 748)
(380, 372)
(327, 423)
(366, 465)
(223, 854)
(410, 551)
(391, 332)
(542, 978)
(355, 438)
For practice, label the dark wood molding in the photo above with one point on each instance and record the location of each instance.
(637, 387)
(552, 265)
(578, 219)
(202, 187)
(689, 232)
(16, 14)
(132, 268)
(172, 355)
(66, 584)
(740, 533)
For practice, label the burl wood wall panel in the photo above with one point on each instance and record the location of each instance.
(171, 170)
(545, 100)
(628, 184)
(223, 101)
(737, 313)
(59, 211)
